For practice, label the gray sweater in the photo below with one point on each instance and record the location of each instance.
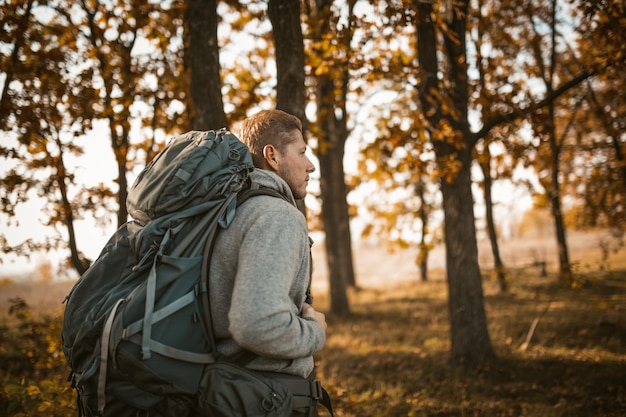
(259, 275)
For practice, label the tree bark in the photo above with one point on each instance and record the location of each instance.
(336, 228)
(78, 261)
(470, 342)
(332, 135)
(554, 193)
(289, 47)
(565, 270)
(289, 50)
(491, 227)
(424, 249)
(202, 50)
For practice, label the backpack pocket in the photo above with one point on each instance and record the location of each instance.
(230, 390)
(175, 327)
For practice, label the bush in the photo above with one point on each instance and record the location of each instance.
(34, 372)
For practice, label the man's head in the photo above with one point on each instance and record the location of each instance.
(276, 144)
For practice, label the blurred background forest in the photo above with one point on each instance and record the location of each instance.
(442, 129)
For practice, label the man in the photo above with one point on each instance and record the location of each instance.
(261, 264)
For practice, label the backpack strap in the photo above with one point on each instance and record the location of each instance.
(254, 190)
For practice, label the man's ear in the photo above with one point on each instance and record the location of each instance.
(270, 154)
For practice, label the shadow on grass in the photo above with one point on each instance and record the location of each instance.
(390, 384)
(390, 357)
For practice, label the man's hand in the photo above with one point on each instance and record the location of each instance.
(309, 311)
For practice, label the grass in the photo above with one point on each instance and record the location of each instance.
(390, 357)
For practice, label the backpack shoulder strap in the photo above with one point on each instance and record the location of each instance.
(256, 189)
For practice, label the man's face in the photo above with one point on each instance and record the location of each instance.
(294, 166)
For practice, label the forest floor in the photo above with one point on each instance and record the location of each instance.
(389, 357)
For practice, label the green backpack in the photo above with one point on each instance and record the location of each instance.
(137, 331)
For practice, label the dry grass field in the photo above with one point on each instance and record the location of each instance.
(389, 358)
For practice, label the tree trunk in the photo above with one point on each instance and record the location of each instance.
(289, 47)
(565, 270)
(289, 50)
(491, 227)
(120, 145)
(78, 261)
(202, 50)
(422, 257)
(330, 154)
(332, 134)
(336, 227)
(470, 342)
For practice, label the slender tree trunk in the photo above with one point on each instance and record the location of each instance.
(119, 124)
(422, 257)
(491, 227)
(341, 126)
(332, 134)
(120, 149)
(78, 261)
(333, 193)
(202, 56)
(565, 271)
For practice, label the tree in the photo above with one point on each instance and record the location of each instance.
(43, 107)
(73, 64)
(331, 56)
(289, 50)
(202, 55)
(445, 105)
(600, 182)
(546, 126)
(486, 99)
(112, 36)
(548, 59)
(508, 102)
(397, 167)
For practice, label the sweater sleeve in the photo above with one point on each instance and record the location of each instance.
(269, 290)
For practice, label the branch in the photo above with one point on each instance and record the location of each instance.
(520, 113)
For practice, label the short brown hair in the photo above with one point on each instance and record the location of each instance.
(268, 127)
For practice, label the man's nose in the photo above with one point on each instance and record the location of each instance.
(311, 167)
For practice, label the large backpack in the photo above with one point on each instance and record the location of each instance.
(135, 330)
